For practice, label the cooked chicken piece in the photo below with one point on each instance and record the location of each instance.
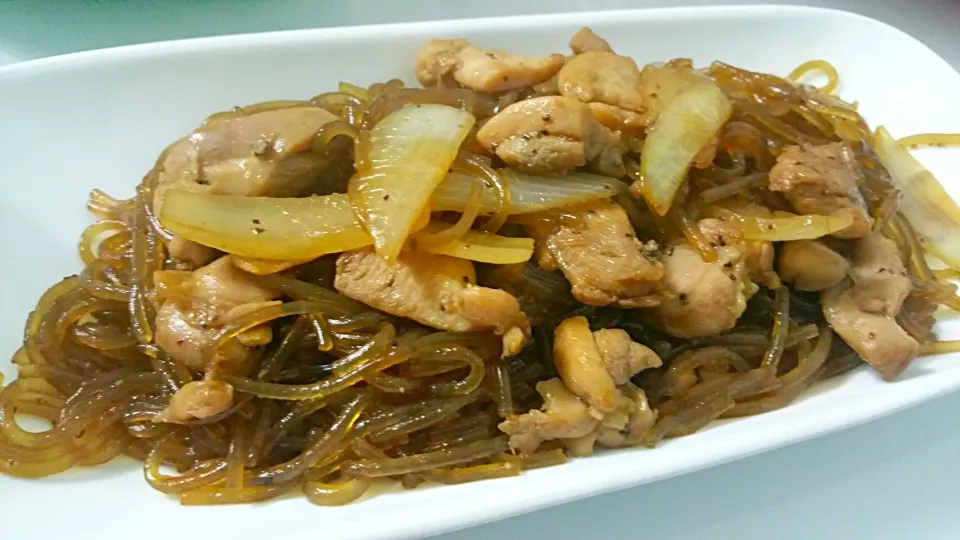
(187, 339)
(222, 284)
(758, 257)
(876, 337)
(592, 364)
(217, 293)
(618, 119)
(598, 252)
(622, 356)
(811, 265)
(705, 298)
(562, 416)
(602, 77)
(552, 134)
(640, 418)
(580, 365)
(248, 155)
(625, 426)
(586, 41)
(880, 280)
(435, 290)
(198, 400)
(864, 314)
(822, 180)
(192, 252)
(586, 397)
(483, 70)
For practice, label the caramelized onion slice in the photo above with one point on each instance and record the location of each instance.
(528, 193)
(927, 206)
(687, 125)
(411, 151)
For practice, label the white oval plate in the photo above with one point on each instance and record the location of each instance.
(99, 119)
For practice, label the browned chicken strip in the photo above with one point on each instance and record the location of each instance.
(602, 77)
(822, 180)
(864, 313)
(563, 416)
(758, 257)
(634, 421)
(198, 399)
(705, 298)
(811, 265)
(597, 250)
(189, 320)
(580, 365)
(592, 364)
(593, 401)
(246, 155)
(250, 155)
(586, 41)
(435, 290)
(552, 134)
(622, 356)
(880, 279)
(626, 425)
(877, 338)
(484, 70)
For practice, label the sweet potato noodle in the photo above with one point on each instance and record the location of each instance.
(307, 388)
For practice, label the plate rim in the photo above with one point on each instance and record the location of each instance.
(226, 41)
(865, 412)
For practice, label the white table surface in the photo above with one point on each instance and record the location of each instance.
(895, 478)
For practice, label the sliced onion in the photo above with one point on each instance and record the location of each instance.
(784, 228)
(295, 231)
(479, 246)
(263, 267)
(528, 193)
(685, 127)
(411, 151)
(927, 206)
(265, 227)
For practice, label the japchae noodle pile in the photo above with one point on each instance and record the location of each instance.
(523, 260)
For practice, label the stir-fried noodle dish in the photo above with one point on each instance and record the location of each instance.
(525, 260)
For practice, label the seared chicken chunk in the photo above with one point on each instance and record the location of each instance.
(586, 41)
(580, 365)
(563, 416)
(880, 279)
(192, 252)
(619, 119)
(622, 356)
(705, 298)
(627, 426)
(435, 290)
(877, 338)
(198, 400)
(552, 134)
(484, 70)
(249, 155)
(822, 180)
(864, 314)
(602, 77)
(758, 257)
(599, 254)
(593, 400)
(214, 295)
(640, 418)
(592, 364)
(811, 265)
